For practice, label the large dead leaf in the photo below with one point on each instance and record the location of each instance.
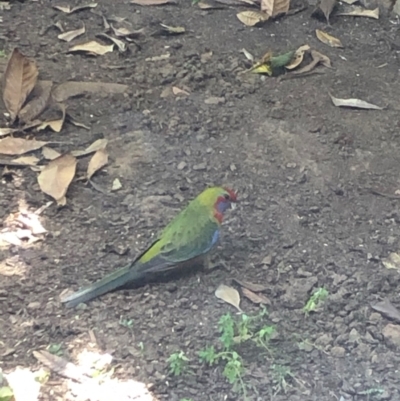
(273, 8)
(255, 298)
(252, 18)
(69, 10)
(251, 286)
(55, 178)
(93, 48)
(152, 2)
(40, 99)
(94, 147)
(354, 103)
(122, 47)
(71, 35)
(99, 160)
(125, 32)
(19, 79)
(317, 58)
(27, 160)
(362, 12)
(228, 294)
(298, 57)
(55, 125)
(19, 146)
(49, 153)
(328, 39)
(75, 88)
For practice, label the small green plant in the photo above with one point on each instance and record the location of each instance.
(55, 349)
(185, 399)
(128, 323)
(318, 297)
(2, 53)
(178, 363)
(281, 376)
(233, 333)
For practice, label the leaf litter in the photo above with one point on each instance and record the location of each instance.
(252, 18)
(98, 161)
(229, 295)
(57, 124)
(362, 12)
(327, 39)
(325, 7)
(56, 177)
(354, 103)
(69, 10)
(92, 48)
(19, 146)
(71, 35)
(275, 8)
(19, 79)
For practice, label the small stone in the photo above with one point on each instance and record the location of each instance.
(214, 100)
(34, 305)
(200, 167)
(181, 165)
(354, 336)
(338, 352)
(233, 167)
(314, 209)
(267, 260)
(391, 332)
(324, 340)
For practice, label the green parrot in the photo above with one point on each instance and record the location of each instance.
(184, 242)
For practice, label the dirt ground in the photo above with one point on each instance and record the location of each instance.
(304, 170)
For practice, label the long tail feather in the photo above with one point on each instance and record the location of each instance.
(117, 279)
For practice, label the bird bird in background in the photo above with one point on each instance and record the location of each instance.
(184, 242)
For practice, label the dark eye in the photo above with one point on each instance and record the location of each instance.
(227, 197)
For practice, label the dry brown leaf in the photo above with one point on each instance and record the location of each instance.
(122, 47)
(19, 146)
(255, 298)
(27, 160)
(55, 125)
(19, 79)
(273, 8)
(328, 39)
(55, 178)
(99, 160)
(177, 91)
(40, 99)
(362, 12)
(49, 153)
(152, 2)
(251, 286)
(252, 18)
(93, 48)
(6, 131)
(69, 10)
(324, 60)
(125, 32)
(318, 58)
(71, 120)
(94, 147)
(228, 294)
(298, 57)
(354, 103)
(75, 88)
(71, 35)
